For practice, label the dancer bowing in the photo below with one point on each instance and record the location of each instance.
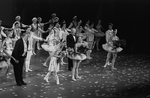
(79, 55)
(110, 46)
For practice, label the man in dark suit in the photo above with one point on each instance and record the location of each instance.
(71, 41)
(19, 53)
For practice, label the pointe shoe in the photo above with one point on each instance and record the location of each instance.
(63, 63)
(46, 79)
(73, 79)
(105, 65)
(26, 70)
(58, 82)
(89, 57)
(113, 68)
(44, 64)
(39, 48)
(78, 77)
(29, 70)
(34, 53)
(97, 49)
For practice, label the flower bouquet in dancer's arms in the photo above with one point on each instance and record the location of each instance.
(83, 48)
(70, 52)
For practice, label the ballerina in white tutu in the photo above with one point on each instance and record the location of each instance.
(78, 56)
(110, 47)
(48, 46)
(53, 65)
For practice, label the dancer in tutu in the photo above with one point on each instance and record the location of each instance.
(110, 47)
(53, 65)
(98, 34)
(53, 32)
(89, 32)
(78, 56)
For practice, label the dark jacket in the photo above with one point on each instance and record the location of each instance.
(18, 50)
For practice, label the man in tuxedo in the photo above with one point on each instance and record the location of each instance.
(71, 41)
(19, 53)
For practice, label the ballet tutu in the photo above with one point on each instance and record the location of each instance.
(47, 47)
(108, 48)
(79, 57)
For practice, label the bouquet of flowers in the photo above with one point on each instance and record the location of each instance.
(82, 49)
(70, 52)
(119, 43)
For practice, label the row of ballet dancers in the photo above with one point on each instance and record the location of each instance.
(72, 37)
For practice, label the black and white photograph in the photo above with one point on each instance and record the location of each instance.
(74, 49)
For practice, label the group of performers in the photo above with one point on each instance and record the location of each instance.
(75, 42)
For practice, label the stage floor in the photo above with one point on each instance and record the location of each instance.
(130, 80)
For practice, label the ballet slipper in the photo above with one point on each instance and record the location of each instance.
(113, 68)
(46, 79)
(57, 82)
(73, 79)
(29, 70)
(78, 77)
(44, 64)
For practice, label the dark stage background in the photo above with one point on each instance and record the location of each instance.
(130, 17)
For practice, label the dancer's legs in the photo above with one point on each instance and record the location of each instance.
(108, 59)
(48, 58)
(77, 70)
(28, 60)
(97, 44)
(114, 59)
(33, 46)
(47, 76)
(73, 70)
